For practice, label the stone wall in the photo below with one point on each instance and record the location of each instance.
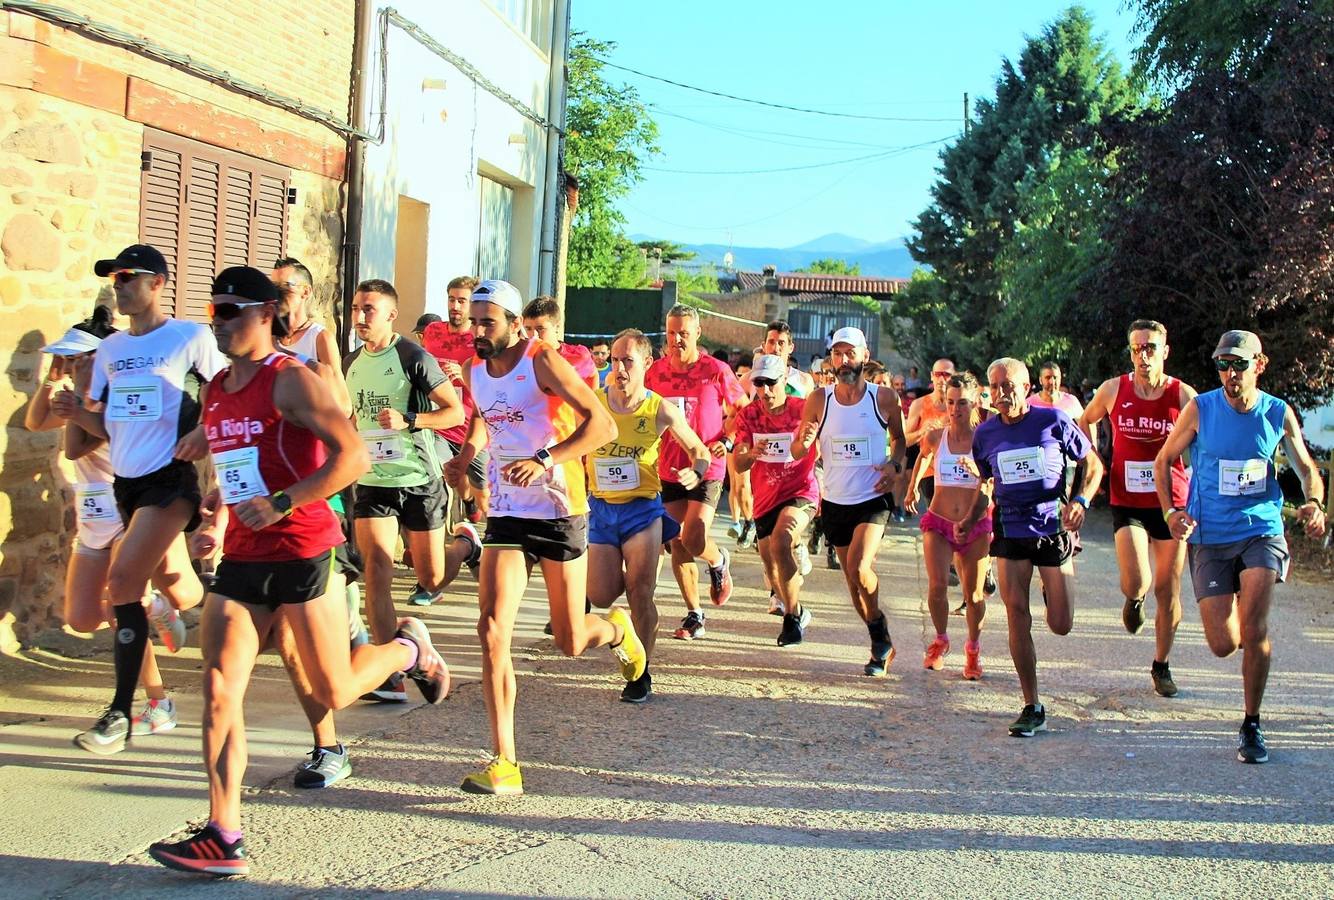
(755, 307)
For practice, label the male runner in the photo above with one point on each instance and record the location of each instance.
(1142, 407)
(1234, 515)
(601, 352)
(1050, 394)
(708, 392)
(141, 403)
(450, 342)
(394, 383)
(853, 421)
(540, 419)
(280, 446)
(778, 342)
(627, 523)
(1023, 451)
(542, 322)
(785, 488)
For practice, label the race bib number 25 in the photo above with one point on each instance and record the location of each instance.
(1020, 466)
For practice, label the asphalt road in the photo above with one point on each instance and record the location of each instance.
(755, 771)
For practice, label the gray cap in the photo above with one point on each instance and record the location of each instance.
(1245, 344)
(768, 366)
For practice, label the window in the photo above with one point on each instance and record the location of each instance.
(531, 18)
(206, 209)
(493, 229)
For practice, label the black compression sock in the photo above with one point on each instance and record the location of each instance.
(130, 640)
(1251, 720)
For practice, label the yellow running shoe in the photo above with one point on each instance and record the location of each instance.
(499, 777)
(630, 652)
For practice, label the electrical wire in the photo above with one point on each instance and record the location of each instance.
(764, 134)
(893, 151)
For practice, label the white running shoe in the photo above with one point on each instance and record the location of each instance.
(168, 623)
(157, 716)
(804, 564)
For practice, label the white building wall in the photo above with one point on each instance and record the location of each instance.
(444, 132)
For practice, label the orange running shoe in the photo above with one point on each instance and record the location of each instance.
(972, 661)
(935, 654)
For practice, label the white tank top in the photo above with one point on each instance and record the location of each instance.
(520, 420)
(954, 469)
(852, 444)
(305, 345)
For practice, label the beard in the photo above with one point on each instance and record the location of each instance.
(850, 374)
(456, 321)
(487, 349)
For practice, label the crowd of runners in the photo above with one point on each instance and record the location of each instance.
(254, 469)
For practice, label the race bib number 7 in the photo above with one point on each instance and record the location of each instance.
(1020, 466)
(1242, 477)
(384, 445)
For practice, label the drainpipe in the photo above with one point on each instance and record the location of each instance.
(355, 171)
(551, 187)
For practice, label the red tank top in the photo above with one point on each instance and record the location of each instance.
(457, 347)
(1139, 429)
(256, 453)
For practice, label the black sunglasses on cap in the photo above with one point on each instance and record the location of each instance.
(228, 309)
(764, 382)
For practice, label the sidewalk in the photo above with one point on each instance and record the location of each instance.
(754, 771)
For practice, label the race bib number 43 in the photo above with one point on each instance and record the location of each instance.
(95, 502)
(1242, 477)
(238, 475)
(137, 399)
(1020, 466)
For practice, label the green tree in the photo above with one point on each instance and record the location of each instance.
(832, 267)
(670, 251)
(609, 134)
(692, 287)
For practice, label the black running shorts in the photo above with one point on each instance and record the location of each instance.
(174, 481)
(706, 492)
(560, 540)
(839, 521)
(273, 584)
(1149, 518)
(417, 508)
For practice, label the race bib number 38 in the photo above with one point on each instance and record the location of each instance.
(1139, 477)
(238, 475)
(1242, 477)
(1020, 466)
(137, 399)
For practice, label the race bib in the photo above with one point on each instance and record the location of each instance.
(94, 502)
(385, 445)
(1242, 477)
(1139, 477)
(504, 457)
(774, 448)
(616, 474)
(958, 473)
(135, 399)
(1020, 466)
(850, 451)
(238, 475)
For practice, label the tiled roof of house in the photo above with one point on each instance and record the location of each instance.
(805, 282)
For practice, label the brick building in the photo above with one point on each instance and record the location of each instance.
(216, 132)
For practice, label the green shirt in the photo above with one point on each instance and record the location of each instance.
(401, 377)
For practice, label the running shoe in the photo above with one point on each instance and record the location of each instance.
(394, 690)
(935, 654)
(794, 627)
(630, 651)
(205, 852)
(972, 661)
(775, 605)
(108, 735)
(960, 609)
(499, 777)
(430, 673)
(734, 530)
(472, 511)
(1132, 614)
(1161, 674)
(639, 690)
(157, 716)
(1251, 744)
(953, 577)
(468, 532)
(882, 648)
(1032, 720)
(813, 544)
(804, 564)
(168, 623)
(747, 538)
(325, 767)
(692, 627)
(422, 597)
(989, 582)
(720, 579)
(831, 558)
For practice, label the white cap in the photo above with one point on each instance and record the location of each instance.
(849, 335)
(768, 366)
(72, 343)
(501, 293)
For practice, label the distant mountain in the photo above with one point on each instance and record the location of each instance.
(887, 259)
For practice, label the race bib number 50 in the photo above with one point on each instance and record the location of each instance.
(1020, 466)
(620, 474)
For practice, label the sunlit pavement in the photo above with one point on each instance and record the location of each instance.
(754, 771)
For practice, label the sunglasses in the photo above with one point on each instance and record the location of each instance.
(1150, 349)
(764, 382)
(125, 276)
(942, 374)
(1236, 365)
(228, 310)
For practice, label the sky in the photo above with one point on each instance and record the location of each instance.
(890, 59)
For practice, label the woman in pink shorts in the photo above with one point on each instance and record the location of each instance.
(947, 454)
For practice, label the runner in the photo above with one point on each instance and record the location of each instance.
(709, 394)
(542, 321)
(853, 421)
(926, 413)
(1234, 515)
(601, 353)
(948, 455)
(785, 488)
(1024, 450)
(1142, 407)
(1050, 394)
(394, 383)
(280, 446)
(141, 404)
(540, 419)
(627, 523)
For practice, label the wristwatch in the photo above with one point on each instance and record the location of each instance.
(544, 457)
(728, 444)
(281, 502)
(410, 418)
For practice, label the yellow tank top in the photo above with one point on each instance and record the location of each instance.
(626, 468)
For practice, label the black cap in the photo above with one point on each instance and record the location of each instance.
(135, 256)
(426, 319)
(245, 283)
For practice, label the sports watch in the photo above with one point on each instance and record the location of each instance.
(281, 502)
(544, 457)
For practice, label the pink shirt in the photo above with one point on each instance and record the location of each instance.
(1066, 402)
(581, 358)
(457, 347)
(776, 477)
(700, 392)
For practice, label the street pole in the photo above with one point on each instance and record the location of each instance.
(965, 112)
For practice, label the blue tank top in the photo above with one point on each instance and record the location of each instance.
(1234, 492)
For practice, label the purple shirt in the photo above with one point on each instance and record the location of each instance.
(1027, 461)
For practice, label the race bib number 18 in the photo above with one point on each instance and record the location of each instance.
(1020, 466)
(850, 451)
